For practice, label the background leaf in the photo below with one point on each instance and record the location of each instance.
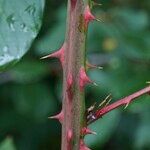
(20, 22)
(7, 144)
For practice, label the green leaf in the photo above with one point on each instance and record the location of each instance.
(7, 144)
(20, 22)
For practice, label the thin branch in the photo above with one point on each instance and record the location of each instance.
(125, 101)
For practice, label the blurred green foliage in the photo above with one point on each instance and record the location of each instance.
(31, 90)
(7, 144)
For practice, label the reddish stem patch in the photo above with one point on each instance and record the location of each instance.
(73, 4)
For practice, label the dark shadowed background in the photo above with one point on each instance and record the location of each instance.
(30, 91)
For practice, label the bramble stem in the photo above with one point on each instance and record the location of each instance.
(74, 60)
(125, 101)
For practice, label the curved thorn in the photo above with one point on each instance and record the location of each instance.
(108, 97)
(86, 130)
(59, 117)
(57, 54)
(83, 146)
(84, 79)
(95, 84)
(97, 4)
(93, 66)
(126, 105)
(88, 15)
(99, 20)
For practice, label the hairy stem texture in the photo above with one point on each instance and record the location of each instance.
(74, 76)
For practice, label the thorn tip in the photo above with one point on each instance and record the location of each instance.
(86, 130)
(88, 15)
(57, 54)
(84, 79)
(88, 65)
(59, 117)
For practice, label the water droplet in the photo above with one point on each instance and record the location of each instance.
(31, 9)
(24, 27)
(34, 30)
(11, 20)
(34, 34)
(5, 59)
(18, 56)
(12, 27)
(5, 49)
